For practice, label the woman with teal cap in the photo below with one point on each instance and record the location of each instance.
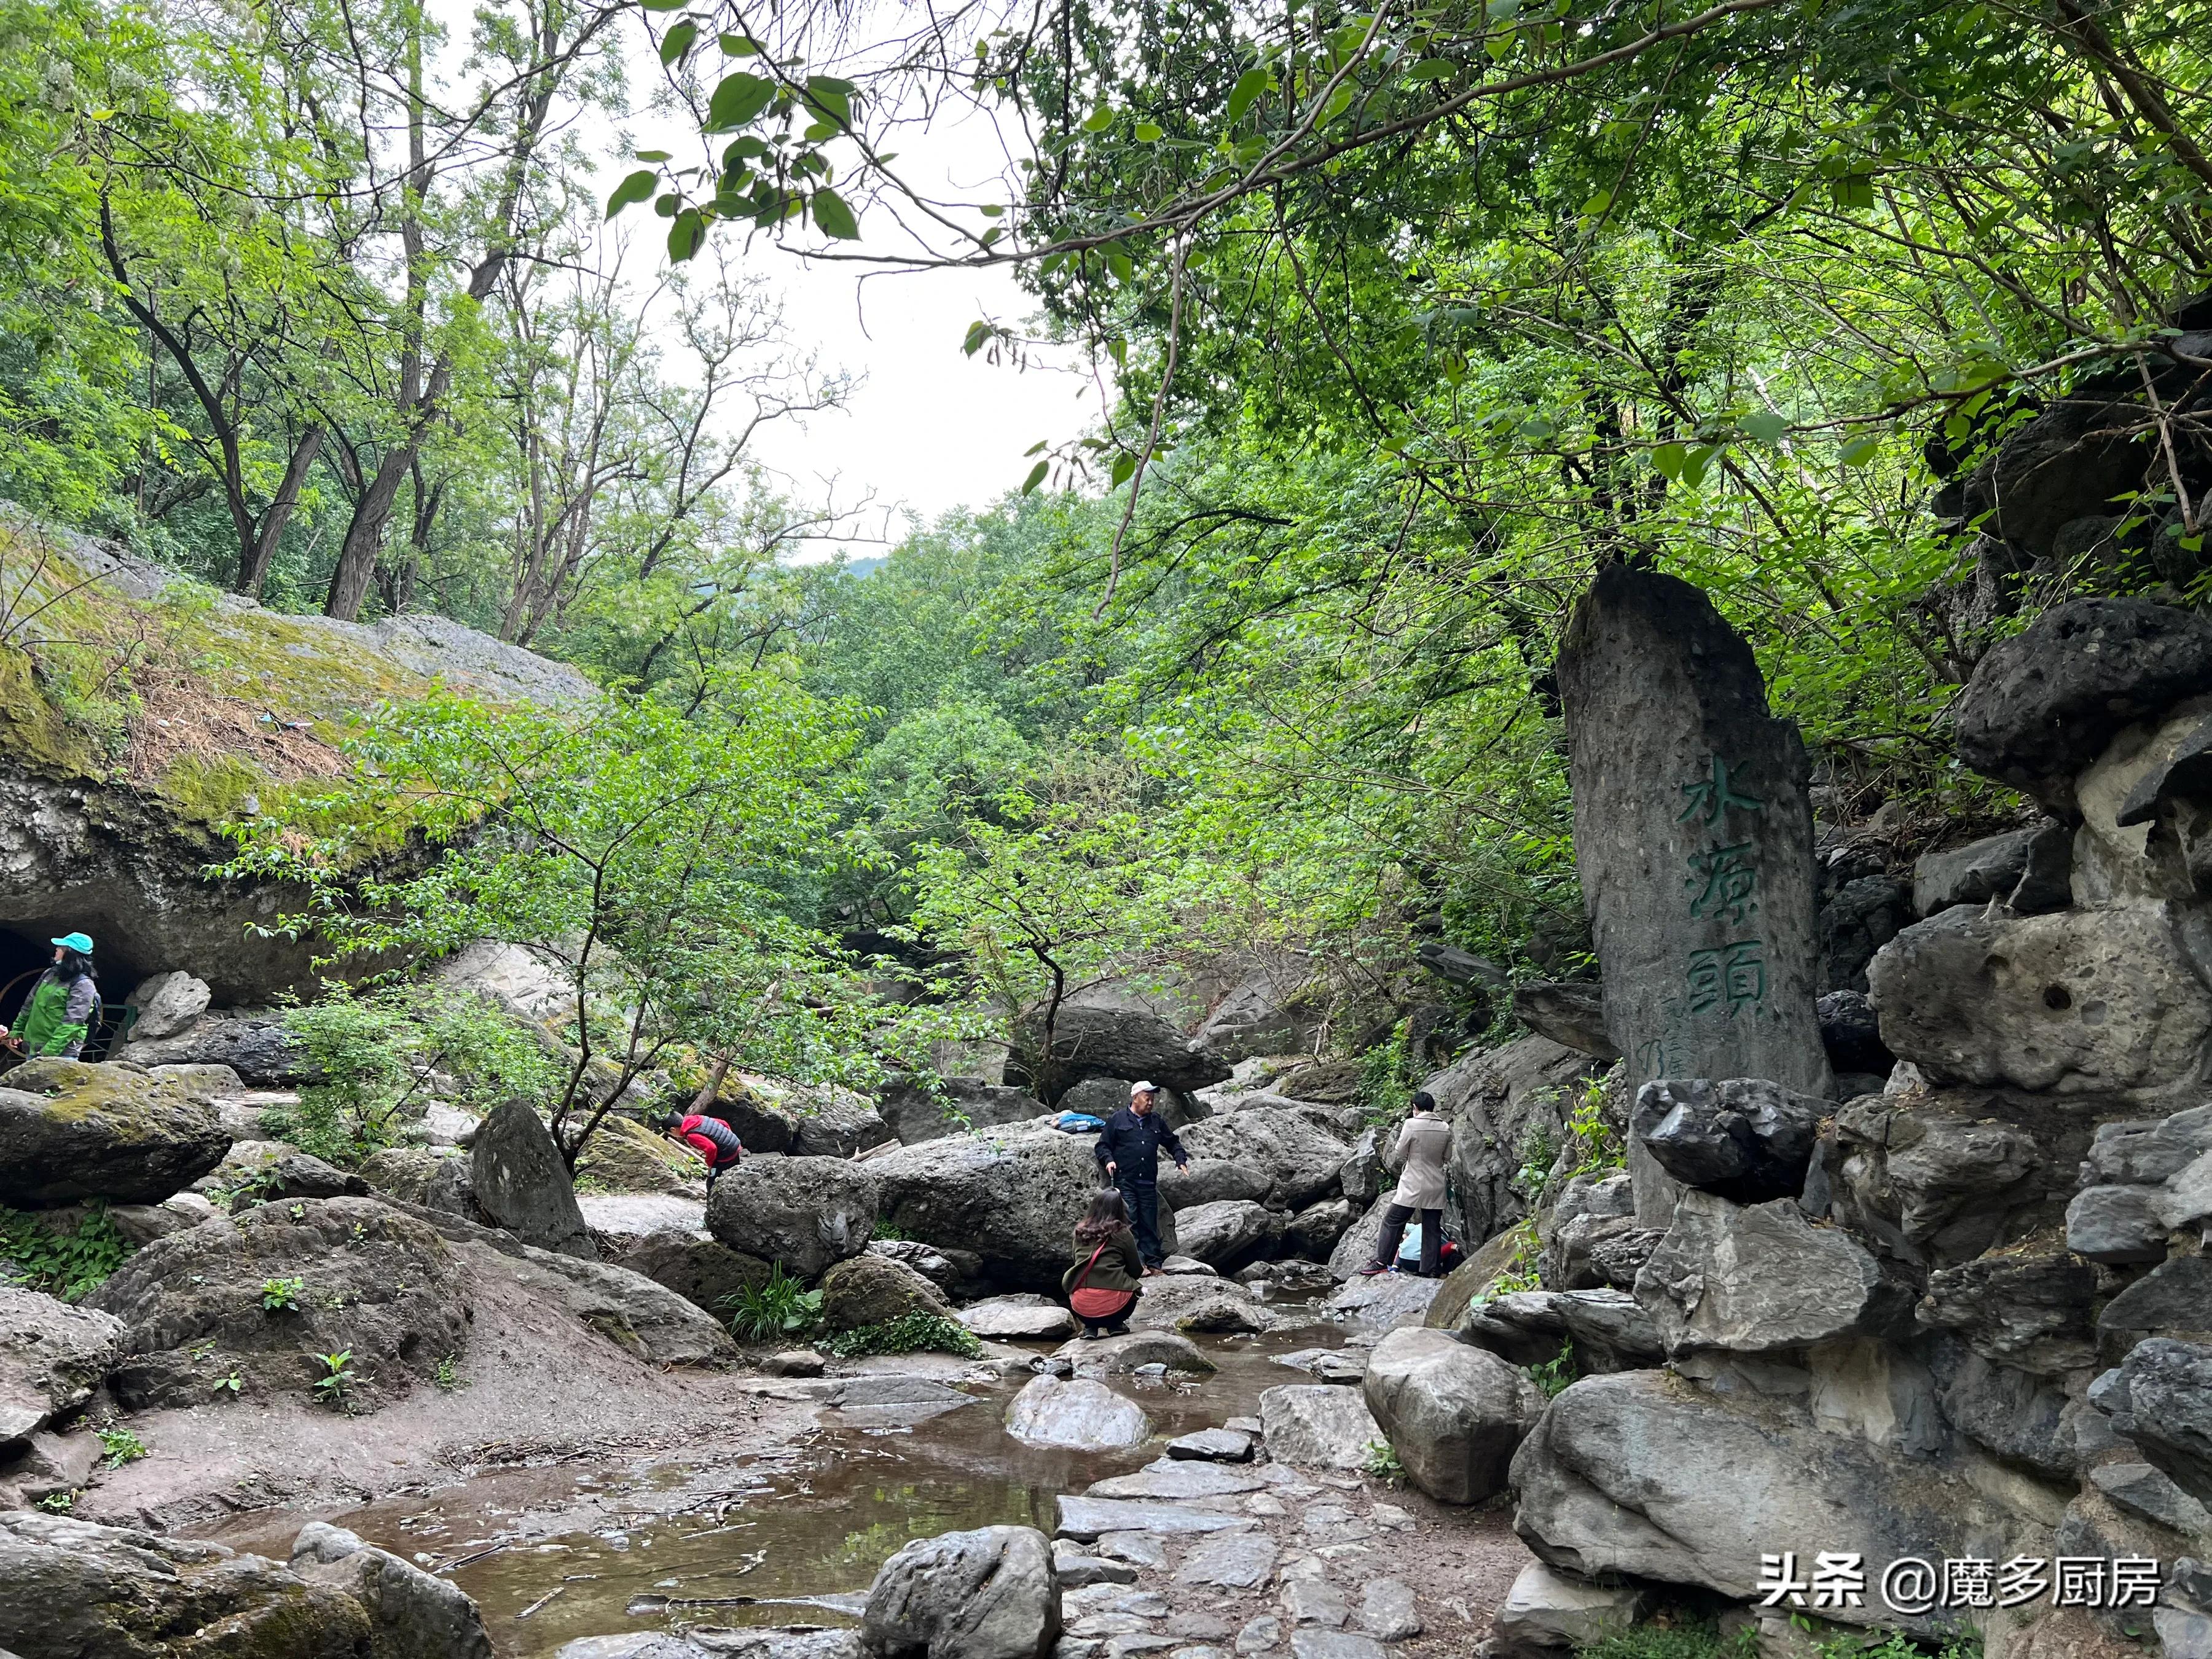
(58, 1013)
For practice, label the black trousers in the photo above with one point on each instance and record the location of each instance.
(1140, 1196)
(1393, 1232)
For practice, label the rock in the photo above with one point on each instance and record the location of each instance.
(1474, 1278)
(637, 1314)
(1310, 1643)
(1302, 1163)
(2174, 1298)
(1316, 1426)
(2101, 1002)
(72, 1589)
(2148, 1154)
(2020, 1418)
(1137, 1549)
(1213, 1446)
(1310, 1599)
(1571, 1015)
(1218, 1233)
(1116, 1355)
(51, 1358)
(1745, 1138)
(405, 1172)
(522, 1184)
(2144, 1491)
(71, 1129)
(259, 1050)
(1610, 1330)
(989, 1594)
(1077, 1569)
(1454, 1415)
(1083, 1415)
(874, 1290)
(49, 1463)
(1643, 1474)
(624, 1156)
(1197, 1303)
(1260, 1634)
(415, 1616)
(704, 1272)
(2042, 705)
(1694, 835)
(803, 1214)
(1763, 1279)
(297, 1174)
(1387, 1300)
(957, 1273)
(1500, 1103)
(352, 1274)
(1995, 868)
(207, 1083)
(1313, 1232)
(166, 1004)
(1347, 1365)
(1122, 1043)
(1851, 1034)
(1387, 1611)
(1024, 1317)
(2119, 1226)
(917, 1113)
(1229, 1560)
(1548, 1614)
(1855, 921)
(1212, 1181)
(518, 979)
(2160, 1397)
(1011, 1196)
(793, 1362)
(750, 1642)
(1087, 1518)
(2027, 1311)
(1364, 1175)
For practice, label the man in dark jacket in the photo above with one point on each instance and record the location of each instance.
(1129, 1153)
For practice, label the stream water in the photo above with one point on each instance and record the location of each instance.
(599, 1547)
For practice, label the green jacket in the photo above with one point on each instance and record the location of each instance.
(1120, 1267)
(58, 1018)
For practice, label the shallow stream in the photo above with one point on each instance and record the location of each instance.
(597, 1546)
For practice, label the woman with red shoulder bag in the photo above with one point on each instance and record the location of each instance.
(1108, 1274)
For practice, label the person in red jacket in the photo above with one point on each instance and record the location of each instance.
(712, 1138)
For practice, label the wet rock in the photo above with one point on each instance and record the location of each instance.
(1745, 1138)
(1213, 1446)
(166, 1004)
(1571, 1015)
(1763, 1279)
(1327, 1365)
(1454, 1414)
(874, 1290)
(71, 1130)
(706, 1273)
(2042, 705)
(1219, 1232)
(1177, 1478)
(1211, 1180)
(1024, 1316)
(2173, 1297)
(260, 1050)
(345, 1274)
(1084, 1415)
(1303, 1162)
(1387, 1300)
(916, 1112)
(988, 1594)
(804, 1214)
(2082, 1002)
(1116, 1355)
(2160, 1397)
(1548, 1614)
(1387, 1611)
(1313, 1425)
(2027, 1311)
(1851, 1034)
(1313, 1232)
(1087, 1518)
(51, 1358)
(522, 1184)
(415, 1616)
(1010, 1196)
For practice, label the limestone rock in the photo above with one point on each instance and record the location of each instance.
(166, 1004)
(2013, 866)
(344, 1273)
(1197, 1302)
(1024, 1316)
(522, 1184)
(1012, 1196)
(1219, 1232)
(1213, 1446)
(1082, 1415)
(1115, 1356)
(804, 1214)
(2021, 1418)
(637, 1314)
(1179, 1480)
(1745, 1138)
(1124, 1044)
(1315, 1425)
(1313, 1232)
(259, 1049)
(2082, 1002)
(1454, 1415)
(957, 1273)
(415, 1616)
(1212, 1181)
(2144, 1491)
(51, 1358)
(704, 1272)
(71, 1129)
(1302, 1163)
(989, 1594)
(1855, 921)
(1364, 1176)
(1761, 1279)
(1609, 1329)
(2148, 1153)
(917, 1113)
(1851, 1033)
(1548, 1614)
(1498, 1102)
(1229, 1560)
(2030, 1311)
(299, 1175)
(1387, 1300)
(1084, 1519)
(1571, 1015)
(2173, 1299)
(2042, 705)
(873, 1289)
(2119, 1226)
(1078, 1568)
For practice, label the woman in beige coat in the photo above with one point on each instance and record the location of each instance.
(1422, 1146)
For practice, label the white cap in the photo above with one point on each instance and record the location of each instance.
(1136, 1089)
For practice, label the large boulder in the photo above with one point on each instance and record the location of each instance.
(1198, 1302)
(70, 1130)
(1743, 1138)
(2042, 705)
(916, 1111)
(957, 1273)
(1079, 1415)
(1219, 1233)
(1855, 921)
(258, 1047)
(1454, 1415)
(1213, 1181)
(260, 1295)
(51, 1358)
(1502, 1104)
(2029, 1311)
(70, 1589)
(1763, 1279)
(166, 1004)
(1571, 1014)
(523, 1185)
(1997, 867)
(1126, 1044)
(2093, 1003)
(2160, 1397)
(1548, 1615)
(414, 1615)
(989, 1594)
(1303, 1162)
(1024, 1316)
(638, 1315)
(1644, 1475)
(873, 1289)
(1609, 1329)
(704, 1272)
(1013, 1197)
(1318, 1425)
(1850, 1031)
(804, 1214)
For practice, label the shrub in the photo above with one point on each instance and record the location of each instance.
(121, 1447)
(1553, 1376)
(782, 1306)
(70, 1265)
(280, 1295)
(1384, 1463)
(910, 1333)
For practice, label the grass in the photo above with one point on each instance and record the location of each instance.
(780, 1306)
(910, 1333)
(1703, 1640)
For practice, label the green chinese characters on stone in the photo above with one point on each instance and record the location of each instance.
(1723, 882)
(1730, 978)
(1714, 795)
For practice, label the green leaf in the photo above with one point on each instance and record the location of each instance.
(1099, 120)
(1037, 448)
(832, 97)
(686, 235)
(1695, 463)
(1147, 133)
(1125, 464)
(1246, 92)
(1338, 103)
(653, 155)
(1036, 478)
(1669, 458)
(1857, 452)
(632, 190)
(737, 100)
(736, 45)
(662, 5)
(1765, 425)
(979, 336)
(678, 40)
(832, 216)
(1433, 69)
(1853, 190)
(1121, 264)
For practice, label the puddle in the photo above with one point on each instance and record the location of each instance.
(556, 1553)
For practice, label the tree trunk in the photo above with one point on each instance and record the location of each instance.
(253, 567)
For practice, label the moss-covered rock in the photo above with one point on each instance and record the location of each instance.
(874, 1290)
(70, 1129)
(623, 1156)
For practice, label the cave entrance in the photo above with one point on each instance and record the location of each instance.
(24, 955)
